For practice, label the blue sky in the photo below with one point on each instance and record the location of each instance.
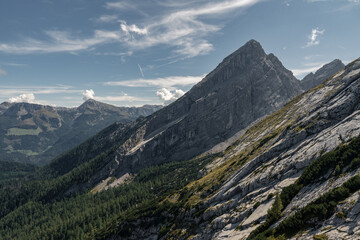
(130, 53)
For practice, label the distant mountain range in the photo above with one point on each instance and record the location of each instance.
(36, 133)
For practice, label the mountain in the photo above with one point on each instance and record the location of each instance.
(244, 154)
(245, 86)
(314, 79)
(36, 133)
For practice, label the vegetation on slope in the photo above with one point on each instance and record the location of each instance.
(11, 170)
(79, 216)
(344, 158)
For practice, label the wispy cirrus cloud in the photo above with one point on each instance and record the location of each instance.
(167, 82)
(11, 64)
(60, 41)
(106, 18)
(185, 28)
(10, 91)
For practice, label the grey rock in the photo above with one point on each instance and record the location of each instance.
(314, 79)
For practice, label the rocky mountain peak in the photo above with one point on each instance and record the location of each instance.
(91, 105)
(248, 64)
(314, 79)
(251, 51)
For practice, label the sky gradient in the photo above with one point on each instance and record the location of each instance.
(131, 53)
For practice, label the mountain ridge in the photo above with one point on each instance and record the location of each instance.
(37, 133)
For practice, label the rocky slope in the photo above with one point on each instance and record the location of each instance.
(36, 133)
(314, 79)
(234, 196)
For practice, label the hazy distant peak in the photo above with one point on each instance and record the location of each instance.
(314, 79)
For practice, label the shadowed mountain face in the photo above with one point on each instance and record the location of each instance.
(245, 86)
(36, 133)
(314, 79)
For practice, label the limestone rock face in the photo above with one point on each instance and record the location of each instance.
(324, 118)
(245, 86)
(314, 79)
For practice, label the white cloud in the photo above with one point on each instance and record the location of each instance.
(2, 72)
(132, 29)
(169, 96)
(88, 94)
(313, 37)
(28, 98)
(167, 82)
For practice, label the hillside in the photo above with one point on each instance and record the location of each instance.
(219, 163)
(36, 134)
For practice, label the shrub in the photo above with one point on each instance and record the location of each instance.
(320, 237)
